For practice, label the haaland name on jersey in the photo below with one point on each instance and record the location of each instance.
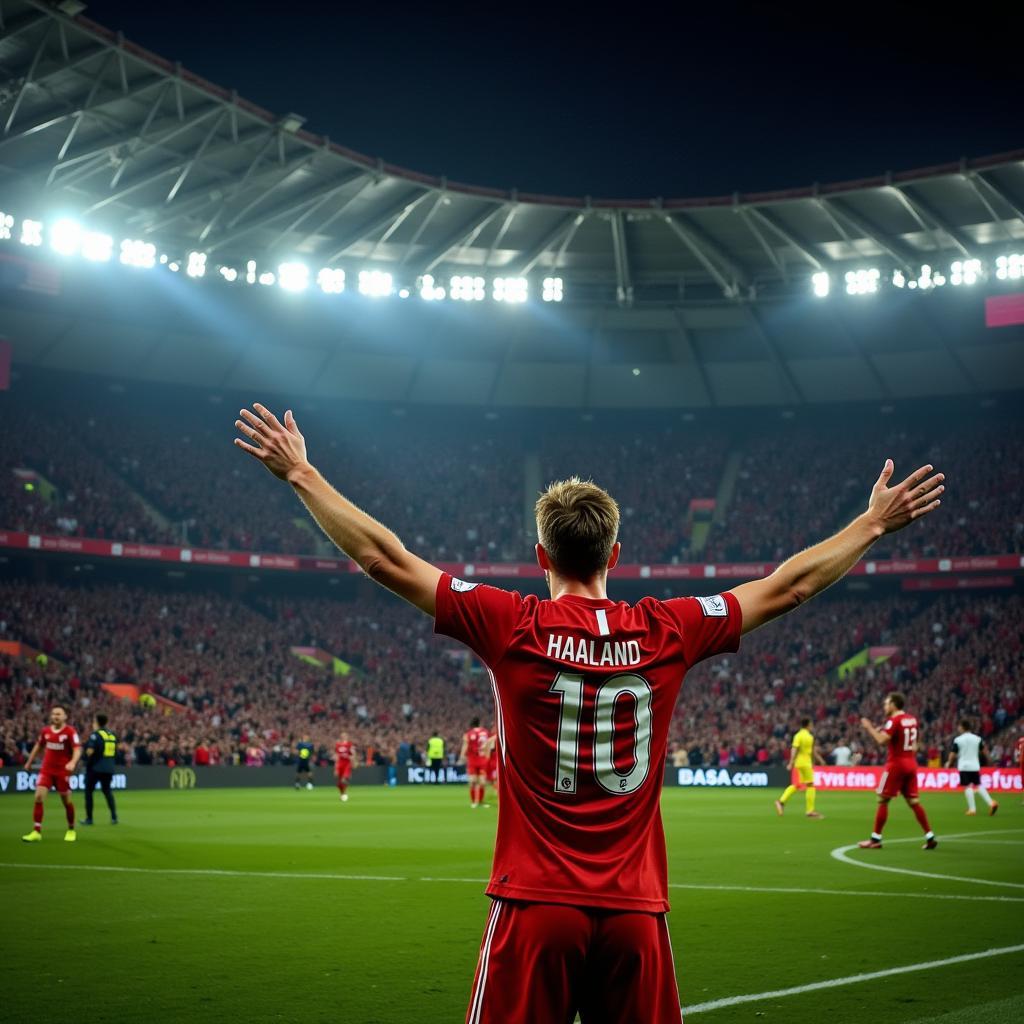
(615, 653)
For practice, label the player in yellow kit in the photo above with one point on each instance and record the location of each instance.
(803, 758)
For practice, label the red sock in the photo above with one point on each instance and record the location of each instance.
(479, 798)
(922, 818)
(342, 786)
(37, 816)
(69, 810)
(881, 817)
(472, 792)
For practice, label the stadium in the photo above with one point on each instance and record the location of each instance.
(294, 796)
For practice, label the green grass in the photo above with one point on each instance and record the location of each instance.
(162, 945)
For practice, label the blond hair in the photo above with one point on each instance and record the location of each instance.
(577, 524)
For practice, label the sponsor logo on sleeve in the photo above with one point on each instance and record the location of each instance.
(714, 606)
(462, 587)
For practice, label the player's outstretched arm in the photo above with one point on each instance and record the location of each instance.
(809, 573)
(378, 552)
(878, 735)
(32, 754)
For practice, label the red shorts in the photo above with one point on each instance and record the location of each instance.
(897, 780)
(476, 766)
(492, 773)
(57, 779)
(343, 770)
(540, 963)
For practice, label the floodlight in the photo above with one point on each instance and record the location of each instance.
(924, 279)
(375, 283)
(174, 267)
(293, 277)
(510, 289)
(898, 279)
(428, 289)
(196, 264)
(1010, 267)
(65, 236)
(31, 232)
(965, 272)
(229, 274)
(250, 272)
(331, 281)
(6, 224)
(552, 289)
(97, 246)
(465, 288)
(267, 278)
(822, 283)
(862, 282)
(136, 253)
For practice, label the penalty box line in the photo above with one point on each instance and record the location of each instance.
(853, 979)
(331, 877)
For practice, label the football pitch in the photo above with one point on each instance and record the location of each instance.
(276, 905)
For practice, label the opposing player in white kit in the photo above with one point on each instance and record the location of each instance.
(967, 751)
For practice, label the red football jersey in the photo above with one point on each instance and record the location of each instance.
(584, 691)
(902, 732)
(476, 742)
(344, 750)
(58, 745)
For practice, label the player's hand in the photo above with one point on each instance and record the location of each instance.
(279, 446)
(867, 723)
(895, 507)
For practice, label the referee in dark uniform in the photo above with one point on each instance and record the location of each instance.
(100, 749)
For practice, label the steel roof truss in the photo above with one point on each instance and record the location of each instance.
(525, 263)
(702, 250)
(369, 226)
(396, 224)
(462, 235)
(870, 232)
(623, 282)
(198, 155)
(27, 80)
(513, 209)
(77, 120)
(923, 210)
(438, 202)
(320, 228)
(1000, 193)
(748, 220)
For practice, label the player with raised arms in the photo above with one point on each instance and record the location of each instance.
(474, 753)
(61, 749)
(584, 689)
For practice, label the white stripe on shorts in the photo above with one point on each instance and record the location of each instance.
(477, 1005)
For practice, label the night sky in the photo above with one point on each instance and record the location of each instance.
(565, 100)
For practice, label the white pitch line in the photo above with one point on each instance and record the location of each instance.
(841, 853)
(853, 979)
(330, 877)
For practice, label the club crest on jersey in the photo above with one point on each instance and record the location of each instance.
(462, 587)
(714, 606)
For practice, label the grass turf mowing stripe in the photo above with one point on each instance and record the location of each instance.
(325, 876)
(841, 853)
(853, 979)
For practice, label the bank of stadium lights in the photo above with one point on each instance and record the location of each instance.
(551, 290)
(377, 284)
(964, 272)
(293, 277)
(821, 283)
(331, 281)
(1010, 268)
(429, 290)
(31, 232)
(195, 265)
(229, 274)
(6, 225)
(466, 288)
(862, 282)
(137, 253)
(510, 289)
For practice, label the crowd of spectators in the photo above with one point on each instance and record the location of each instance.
(243, 697)
(460, 493)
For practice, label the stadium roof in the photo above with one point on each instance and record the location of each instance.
(100, 128)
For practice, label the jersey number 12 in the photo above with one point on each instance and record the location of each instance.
(569, 686)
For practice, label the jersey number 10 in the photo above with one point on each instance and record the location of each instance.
(569, 687)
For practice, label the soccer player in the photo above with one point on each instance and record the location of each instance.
(62, 750)
(803, 757)
(899, 736)
(100, 749)
(435, 755)
(344, 755)
(966, 751)
(584, 689)
(474, 755)
(304, 769)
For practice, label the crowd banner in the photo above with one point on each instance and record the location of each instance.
(187, 777)
(929, 780)
(709, 573)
